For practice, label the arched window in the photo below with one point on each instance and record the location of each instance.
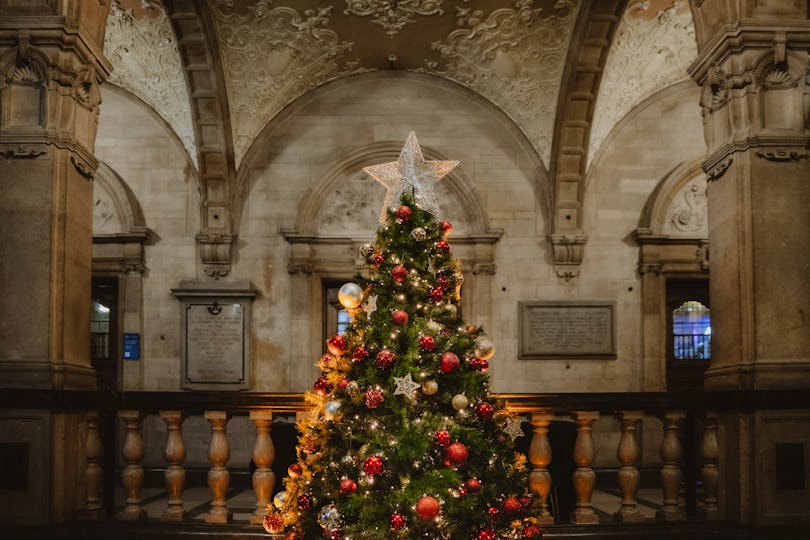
(691, 331)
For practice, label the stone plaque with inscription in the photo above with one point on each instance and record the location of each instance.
(567, 330)
(216, 334)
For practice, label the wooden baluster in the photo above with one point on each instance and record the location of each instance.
(584, 477)
(175, 476)
(709, 472)
(93, 472)
(628, 454)
(264, 479)
(218, 477)
(132, 474)
(540, 457)
(671, 454)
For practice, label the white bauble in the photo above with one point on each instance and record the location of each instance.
(350, 295)
(459, 402)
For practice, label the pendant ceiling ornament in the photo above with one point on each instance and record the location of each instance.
(393, 15)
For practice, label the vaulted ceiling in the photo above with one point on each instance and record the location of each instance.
(218, 71)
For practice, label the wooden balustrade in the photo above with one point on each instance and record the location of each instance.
(544, 412)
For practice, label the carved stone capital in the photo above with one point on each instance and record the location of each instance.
(484, 268)
(299, 266)
(215, 253)
(655, 269)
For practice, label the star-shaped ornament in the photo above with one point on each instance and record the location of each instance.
(513, 428)
(370, 306)
(406, 386)
(411, 173)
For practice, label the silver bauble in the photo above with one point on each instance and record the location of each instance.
(329, 517)
(419, 234)
(332, 409)
(353, 388)
(450, 309)
(350, 295)
(366, 250)
(280, 500)
(484, 348)
(434, 326)
(430, 387)
(459, 402)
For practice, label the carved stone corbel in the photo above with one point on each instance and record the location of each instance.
(776, 154)
(715, 170)
(84, 168)
(215, 253)
(568, 251)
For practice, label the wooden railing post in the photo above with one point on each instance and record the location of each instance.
(218, 477)
(540, 457)
(175, 476)
(132, 474)
(709, 472)
(93, 472)
(628, 454)
(584, 477)
(264, 453)
(671, 454)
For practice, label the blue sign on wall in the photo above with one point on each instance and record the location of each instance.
(132, 346)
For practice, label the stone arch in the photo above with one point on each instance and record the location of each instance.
(664, 213)
(114, 202)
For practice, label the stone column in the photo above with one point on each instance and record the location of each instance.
(263, 455)
(584, 477)
(175, 476)
(540, 457)
(132, 474)
(629, 477)
(753, 68)
(671, 475)
(218, 477)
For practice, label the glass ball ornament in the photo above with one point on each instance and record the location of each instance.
(273, 523)
(329, 517)
(430, 387)
(419, 234)
(484, 348)
(350, 295)
(459, 402)
(280, 500)
(366, 250)
(332, 409)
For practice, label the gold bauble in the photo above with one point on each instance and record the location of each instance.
(350, 295)
(459, 402)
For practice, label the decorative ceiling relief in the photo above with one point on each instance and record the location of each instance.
(271, 56)
(140, 44)
(688, 213)
(654, 46)
(391, 14)
(515, 58)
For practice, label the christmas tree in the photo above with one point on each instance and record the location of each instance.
(404, 439)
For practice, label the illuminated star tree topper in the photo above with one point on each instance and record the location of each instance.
(411, 173)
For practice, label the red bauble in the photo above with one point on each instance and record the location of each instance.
(447, 227)
(404, 213)
(336, 345)
(398, 520)
(532, 531)
(305, 501)
(292, 535)
(399, 317)
(448, 362)
(427, 507)
(385, 359)
(378, 259)
(484, 410)
(294, 470)
(343, 384)
(442, 247)
(348, 486)
(473, 485)
(493, 513)
(457, 454)
(359, 354)
(443, 282)
(399, 273)
(327, 360)
(436, 294)
(321, 386)
(426, 343)
(511, 505)
(273, 523)
(373, 466)
(374, 398)
(485, 534)
(525, 503)
(336, 534)
(442, 437)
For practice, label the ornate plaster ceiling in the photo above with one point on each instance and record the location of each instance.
(142, 48)
(512, 52)
(654, 46)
